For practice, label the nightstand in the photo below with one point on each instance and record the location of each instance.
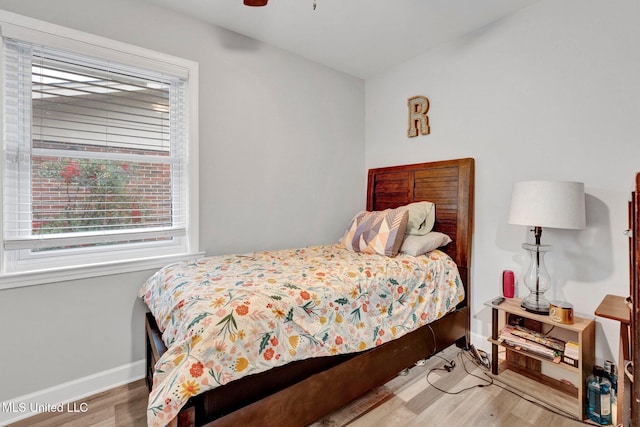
(528, 372)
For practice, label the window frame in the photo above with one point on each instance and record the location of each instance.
(92, 262)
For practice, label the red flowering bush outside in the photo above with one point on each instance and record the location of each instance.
(95, 195)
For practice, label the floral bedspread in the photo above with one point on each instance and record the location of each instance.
(226, 317)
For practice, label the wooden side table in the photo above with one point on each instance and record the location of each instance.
(614, 307)
(523, 370)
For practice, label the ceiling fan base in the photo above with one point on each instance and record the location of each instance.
(255, 2)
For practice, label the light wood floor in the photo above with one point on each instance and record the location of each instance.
(409, 400)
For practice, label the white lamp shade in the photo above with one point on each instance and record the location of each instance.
(555, 204)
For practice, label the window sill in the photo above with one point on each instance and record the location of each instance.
(19, 280)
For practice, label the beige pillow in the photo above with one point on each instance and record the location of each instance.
(418, 245)
(377, 232)
(422, 217)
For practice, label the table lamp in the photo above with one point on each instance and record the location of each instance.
(554, 204)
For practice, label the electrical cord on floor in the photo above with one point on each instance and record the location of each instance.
(540, 405)
(480, 357)
(481, 360)
(451, 365)
(491, 380)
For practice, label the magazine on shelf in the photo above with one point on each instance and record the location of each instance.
(539, 338)
(509, 339)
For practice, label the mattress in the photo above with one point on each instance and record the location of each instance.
(226, 317)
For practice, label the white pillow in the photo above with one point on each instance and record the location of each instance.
(422, 217)
(418, 245)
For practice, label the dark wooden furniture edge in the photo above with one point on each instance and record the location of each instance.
(633, 408)
(325, 384)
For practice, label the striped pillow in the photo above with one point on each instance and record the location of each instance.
(378, 232)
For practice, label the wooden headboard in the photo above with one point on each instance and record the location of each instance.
(449, 184)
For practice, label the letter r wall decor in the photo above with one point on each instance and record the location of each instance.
(418, 119)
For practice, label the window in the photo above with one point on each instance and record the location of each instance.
(96, 141)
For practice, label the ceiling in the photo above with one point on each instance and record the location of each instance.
(358, 37)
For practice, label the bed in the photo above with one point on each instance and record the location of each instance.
(299, 392)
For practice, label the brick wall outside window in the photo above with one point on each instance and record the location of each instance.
(81, 194)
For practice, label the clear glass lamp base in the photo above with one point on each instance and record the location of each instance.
(537, 280)
(535, 304)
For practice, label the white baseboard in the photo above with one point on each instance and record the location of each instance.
(60, 397)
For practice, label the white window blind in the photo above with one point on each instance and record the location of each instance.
(94, 150)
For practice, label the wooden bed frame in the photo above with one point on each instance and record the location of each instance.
(303, 392)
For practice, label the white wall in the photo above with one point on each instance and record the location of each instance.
(281, 165)
(552, 92)
(549, 93)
